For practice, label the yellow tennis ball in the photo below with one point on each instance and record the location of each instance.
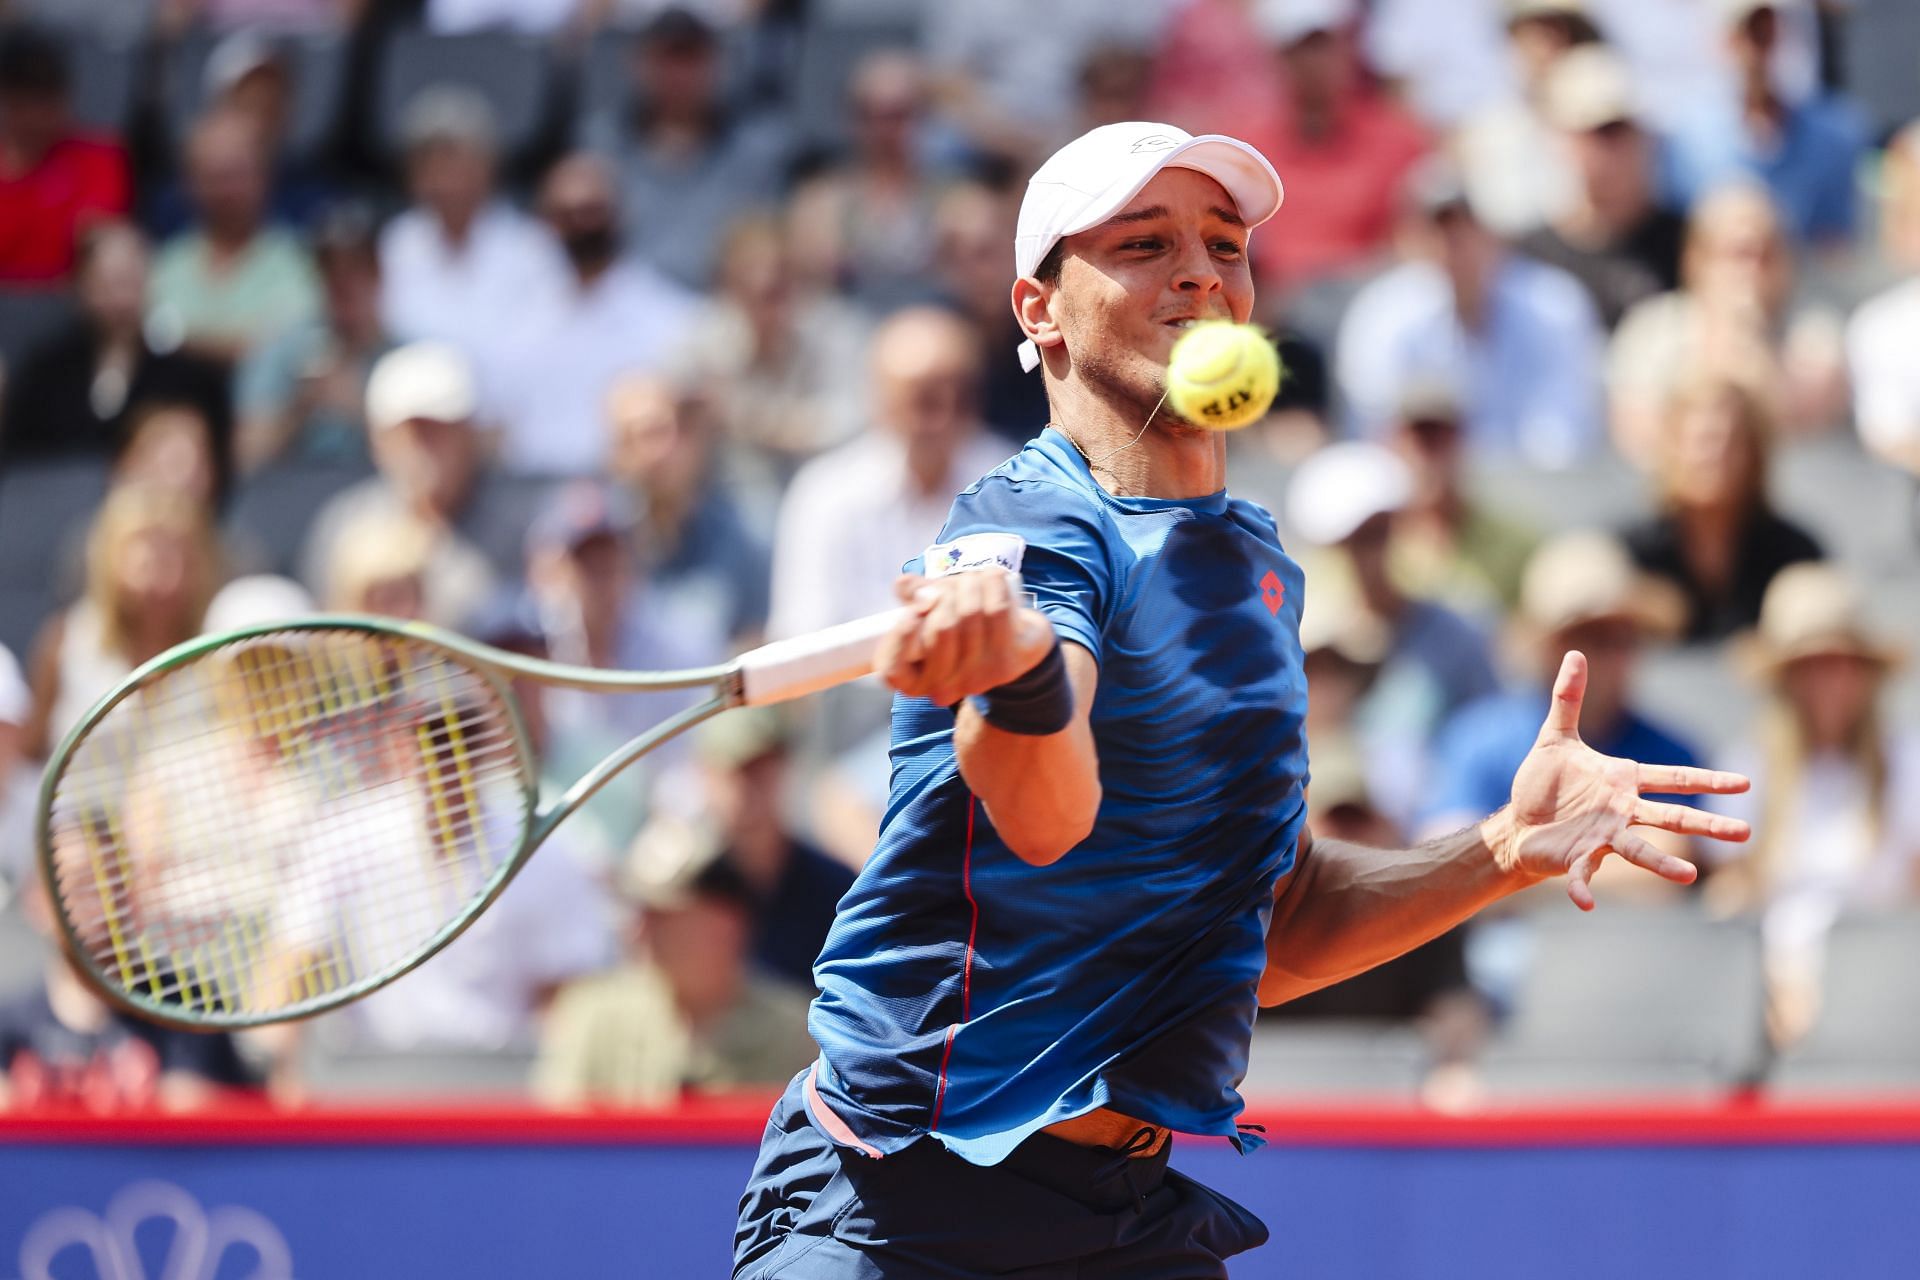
(1222, 375)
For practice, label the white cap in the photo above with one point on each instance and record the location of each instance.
(1093, 177)
(1342, 487)
(1285, 22)
(424, 380)
(15, 700)
(256, 600)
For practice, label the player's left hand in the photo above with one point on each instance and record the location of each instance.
(1572, 806)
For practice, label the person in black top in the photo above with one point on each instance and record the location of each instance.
(1715, 536)
(74, 395)
(1612, 235)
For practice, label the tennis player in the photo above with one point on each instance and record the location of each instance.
(1094, 863)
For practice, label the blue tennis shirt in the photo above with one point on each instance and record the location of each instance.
(966, 994)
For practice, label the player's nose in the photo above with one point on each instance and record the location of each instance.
(1196, 271)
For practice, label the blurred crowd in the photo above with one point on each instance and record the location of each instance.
(631, 334)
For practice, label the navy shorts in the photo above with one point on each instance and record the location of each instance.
(1051, 1211)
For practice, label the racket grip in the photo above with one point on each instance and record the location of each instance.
(806, 664)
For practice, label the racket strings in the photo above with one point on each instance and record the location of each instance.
(284, 819)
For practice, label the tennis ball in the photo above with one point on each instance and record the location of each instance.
(1222, 375)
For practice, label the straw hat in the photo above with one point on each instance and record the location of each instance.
(1814, 610)
(1586, 577)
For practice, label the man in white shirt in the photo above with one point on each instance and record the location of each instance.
(853, 516)
(611, 316)
(1521, 339)
(458, 263)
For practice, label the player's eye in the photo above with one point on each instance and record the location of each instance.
(1227, 248)
(1145, 245)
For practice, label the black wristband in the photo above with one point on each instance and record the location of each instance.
(1036, 704)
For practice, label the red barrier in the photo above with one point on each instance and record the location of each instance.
(738, 1119)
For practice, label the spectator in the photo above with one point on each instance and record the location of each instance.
(854, 515)
(1344, 501)
(170, 446)
(55, 180)
(1112, 87)
(703, 554)
(250, 75)
(1733, 314)
(1520, 337)
(864, 227)
(684, 1012)
(591, 597)
(1805, 151)
(1886, 381)
(1003, 70)
(152, 566)
(1345, 149)
(972, 225)
(421, 401)
(1716, 538)
(304, 394)
(1447, 544)
(1835, 803)
(610, 317)
(71, 396)
(688, 161)
(784, 363)
(64, 1048)
(235, 282)
(1211, 68)
(1515, 172)
(743, 763)
(381, 564)
(1611, 233)
(1580, 592)
(460, 261)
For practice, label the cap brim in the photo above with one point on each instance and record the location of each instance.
(1251, 182)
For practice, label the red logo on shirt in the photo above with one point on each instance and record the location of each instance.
(1272, 592)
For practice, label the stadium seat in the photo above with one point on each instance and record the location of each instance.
(1861, 509)
(1867, 1036)
(1880, 50)
(1336, 1059)
(273, 508)
(27, 317)
(1699, 692)
(837, 37)
(1601, 493)
(318, 64)
(514, 73)
(105, 70)
(1632, 1001)
(44, 507)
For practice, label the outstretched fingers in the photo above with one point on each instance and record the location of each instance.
(1681, 820)
(1641, 853)
(1569, 690)
(1680, 780)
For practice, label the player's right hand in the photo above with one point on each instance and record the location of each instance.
(959, 635)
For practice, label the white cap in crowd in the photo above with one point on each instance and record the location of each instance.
(430, 380)
(1285, 22)
(1343, 486)
(257, 600)
(1093, 177)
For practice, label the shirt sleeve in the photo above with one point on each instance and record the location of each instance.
(1067, 565)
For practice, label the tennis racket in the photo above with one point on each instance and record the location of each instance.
(264, 824)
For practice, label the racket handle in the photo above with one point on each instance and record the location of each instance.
(806, 664)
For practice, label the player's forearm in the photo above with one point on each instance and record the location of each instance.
(1042, 793)
(1347, 908)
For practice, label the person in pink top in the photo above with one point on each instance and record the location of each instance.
(1350, 145)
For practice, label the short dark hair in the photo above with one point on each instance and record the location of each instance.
(32, 63)
(1048, 272)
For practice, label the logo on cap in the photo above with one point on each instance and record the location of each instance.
(1153, 142)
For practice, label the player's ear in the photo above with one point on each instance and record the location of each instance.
(1033, 307)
